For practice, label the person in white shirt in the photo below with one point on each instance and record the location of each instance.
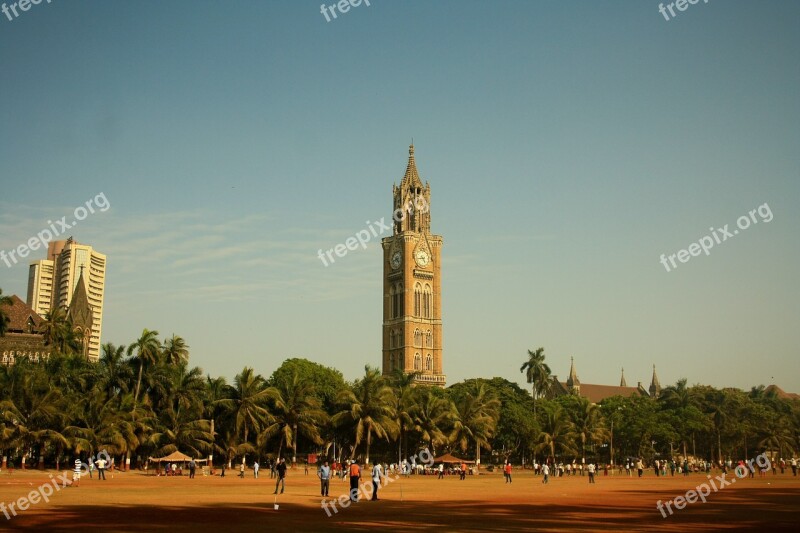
(377, 472)
(101, 469)
(546, 472)
(590, 469)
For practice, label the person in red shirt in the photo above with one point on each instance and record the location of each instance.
(355, 477)
(507, 471)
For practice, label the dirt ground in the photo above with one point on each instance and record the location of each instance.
(135, 502)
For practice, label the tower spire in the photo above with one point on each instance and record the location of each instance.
(622, 382)
(655, 386)
(572, 381)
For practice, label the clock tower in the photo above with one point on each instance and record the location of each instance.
(412, 284)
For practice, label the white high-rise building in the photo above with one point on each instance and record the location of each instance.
(52, 282)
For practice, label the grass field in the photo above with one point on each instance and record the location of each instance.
(135, 502)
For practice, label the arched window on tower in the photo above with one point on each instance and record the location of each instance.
(417, 299)
(417, 362)
(427, 302)
(417, 337)
(428, 339)
(396, 297)
(429, 362)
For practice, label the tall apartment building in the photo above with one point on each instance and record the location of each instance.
(53, 282)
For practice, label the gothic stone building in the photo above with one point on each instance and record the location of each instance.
(597, 393)
(412, 284)
(22, 338)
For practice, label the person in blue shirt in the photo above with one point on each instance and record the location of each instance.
(324, 474)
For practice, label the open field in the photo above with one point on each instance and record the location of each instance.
(134, 502)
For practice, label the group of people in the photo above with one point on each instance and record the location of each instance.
(100, 463)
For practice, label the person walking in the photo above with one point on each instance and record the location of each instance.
(101, 469)
(76, 474)
(355, 476)
(376, 479)
(192, 468)
(507, 470)
(640, 467)
(793, 464)
(256, 466)
(280, 471)
(463, 471)
(590, 469)
(324, 475)
(545, 473)
(241, 469)
(441, 471)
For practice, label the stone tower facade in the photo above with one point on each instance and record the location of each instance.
(412, 284)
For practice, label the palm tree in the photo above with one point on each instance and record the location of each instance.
(370, 406)
(405, 407)
(215, 389)
(57, 331)
(432, 415)
(103, 423)
(147, 353)
(175, 350)
(182, 432)
(588, 424)
(4, 301)
(246, 404)
(477, 415)
(115, 374)
(538, 374)
(557, 432)
(186, 388)
(295, 410)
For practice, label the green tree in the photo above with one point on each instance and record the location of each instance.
(175, 351)
(295, 411)
(478, 411)
(557, 432)
(147, 350)
(432, 415)
(537, 373)
(370, 407)
(246, 404)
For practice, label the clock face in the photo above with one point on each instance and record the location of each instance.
(396, 259)
(422, 258)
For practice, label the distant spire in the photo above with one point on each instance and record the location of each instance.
(622, 382)
(411, 177)
(572, 380)
(655, 386)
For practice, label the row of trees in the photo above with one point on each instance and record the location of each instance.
(146, 400)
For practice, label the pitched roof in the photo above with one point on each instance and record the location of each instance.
(598, 393)
(19, 313)
(780, 393)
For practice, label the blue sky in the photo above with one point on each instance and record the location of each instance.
(568, 144)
